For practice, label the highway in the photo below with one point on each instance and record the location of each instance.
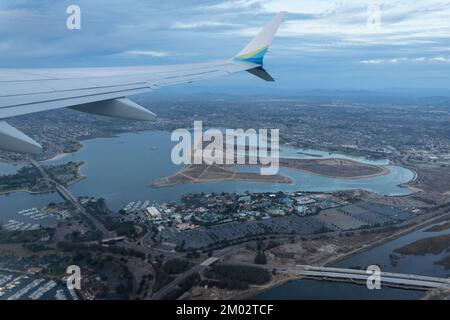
(198, 268)
(318, 273)
(141, 247)
(387, 278)
(68, 196)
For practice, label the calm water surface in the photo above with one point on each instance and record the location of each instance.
(420, 265)
(120, 169)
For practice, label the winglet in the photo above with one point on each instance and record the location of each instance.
(260, 72)
(255, 51)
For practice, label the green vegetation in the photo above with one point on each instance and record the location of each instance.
(176, 266)
(65, 173)
(193, 255)
(434, 245)
(56, 264)
(236, 277)
(183, 286)
(260, 257)
(126, 229)
(72, 146)
(79, 247)
(88, 236)
(100, 210)
(30, 236)
(444, 262)
(36, 247)
(26, 178)
(116, 279)
(439, 227)
(161, 278)
(29, 178)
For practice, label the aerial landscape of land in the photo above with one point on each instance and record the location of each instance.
(175, 249)
(336, 168)
(29, 178)
(206, 173)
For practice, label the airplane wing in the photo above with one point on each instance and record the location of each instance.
(103, 91)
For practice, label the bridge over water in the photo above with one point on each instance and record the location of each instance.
(417, 282)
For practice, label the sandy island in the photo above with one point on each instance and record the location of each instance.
(207, 173)
(334, 168)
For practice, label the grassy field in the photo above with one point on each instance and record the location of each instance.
(439, 227)
(433, 245)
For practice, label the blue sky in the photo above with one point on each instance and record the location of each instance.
(324, 44)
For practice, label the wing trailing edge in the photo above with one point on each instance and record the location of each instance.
(101, 91)
(14, 140)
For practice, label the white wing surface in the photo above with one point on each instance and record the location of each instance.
(103, 91)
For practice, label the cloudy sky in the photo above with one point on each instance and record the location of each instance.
(324, 44)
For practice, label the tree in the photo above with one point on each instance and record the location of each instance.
(176, 266)
(260, 258)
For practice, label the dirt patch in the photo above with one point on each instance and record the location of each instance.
(206, 173)
(433, 245)
(439, 227)
(337, 168)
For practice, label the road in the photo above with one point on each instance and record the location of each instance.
(68, 196)
(387, 278)
(168, 288)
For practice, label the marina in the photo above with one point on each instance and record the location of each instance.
(36, 214)
(41, 291)
(120, 179)
(14, 225)
(27, 287)
(32, 219)
(133, 206)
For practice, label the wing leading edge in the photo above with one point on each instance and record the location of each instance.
(103, 90)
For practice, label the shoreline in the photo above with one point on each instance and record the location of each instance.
(6, 193)
(81, 177)
(365, 247)
(168, 185)
(58, 156)
(289, 180)
(184, 176)
(385, 171)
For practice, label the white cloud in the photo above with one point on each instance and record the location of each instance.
(407, 60)
(440, 59)
(293, 6)
(201, 24)
(232, 4)
(402, 22)
(314, 7)
(154, 54)
(377, 61)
